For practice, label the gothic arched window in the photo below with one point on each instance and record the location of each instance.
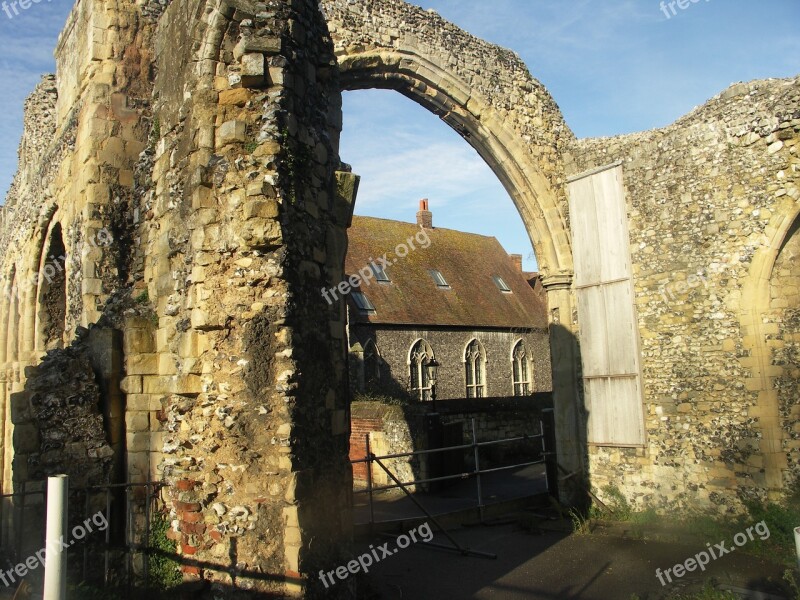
(421, 352)
(521, 371)
(475, 361)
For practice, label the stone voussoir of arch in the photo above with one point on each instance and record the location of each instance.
(484, 92)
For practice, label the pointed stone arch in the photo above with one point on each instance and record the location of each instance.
(757, 356)
(483, 129)
(51, 295)
(515, 143)
(488, 96)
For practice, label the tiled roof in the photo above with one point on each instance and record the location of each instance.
(468, 263)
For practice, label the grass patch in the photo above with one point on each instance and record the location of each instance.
(86, 591)
(581, 524)
(779, 518)
(790, 576)
(709, 592)
(165, 573)
(781, 521)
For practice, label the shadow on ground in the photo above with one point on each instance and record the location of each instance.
(552, 565)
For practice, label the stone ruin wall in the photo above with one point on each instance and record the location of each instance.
(705, 196)
(248, 224)
(202, 148)
(203, 139)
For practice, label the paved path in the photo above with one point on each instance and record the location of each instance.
(496, 487)
(551, 566)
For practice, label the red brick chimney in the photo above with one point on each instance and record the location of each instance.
(424, 216)
(517, 260)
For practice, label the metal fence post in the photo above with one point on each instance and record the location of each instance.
(369, 482)
(548, 425)
(477, 469)
(86, 544)
(21, 530)
(55, 561)
(146, 554)
(107, 539)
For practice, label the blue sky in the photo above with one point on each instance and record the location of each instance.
(613, 66)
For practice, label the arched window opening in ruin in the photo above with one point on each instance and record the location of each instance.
(781, 334)
(52, 311)
(12, 320)
(372, 365)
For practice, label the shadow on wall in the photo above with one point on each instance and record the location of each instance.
(69, 419)
(397, 422)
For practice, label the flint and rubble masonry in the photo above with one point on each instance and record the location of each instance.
(363, 562)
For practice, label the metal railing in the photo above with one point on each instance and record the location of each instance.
(546, 436)
(127, 509)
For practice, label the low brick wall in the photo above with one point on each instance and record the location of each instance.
(392, 429)
(360, 427)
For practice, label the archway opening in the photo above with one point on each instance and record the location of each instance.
(784, 352)
(474, 254)
(404, 153)
(52, 312)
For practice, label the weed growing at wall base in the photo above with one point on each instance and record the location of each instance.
(12, 6)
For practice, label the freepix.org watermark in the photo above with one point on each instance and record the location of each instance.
(703, 558)
(12, 6)
(365, 275)
(35, 560)
(375, 555)
(669, 7)
(668, 290)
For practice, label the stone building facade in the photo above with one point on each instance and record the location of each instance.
(454, 296)
(203, 139)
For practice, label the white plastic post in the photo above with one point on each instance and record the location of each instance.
(797, 544)
(55, 560)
